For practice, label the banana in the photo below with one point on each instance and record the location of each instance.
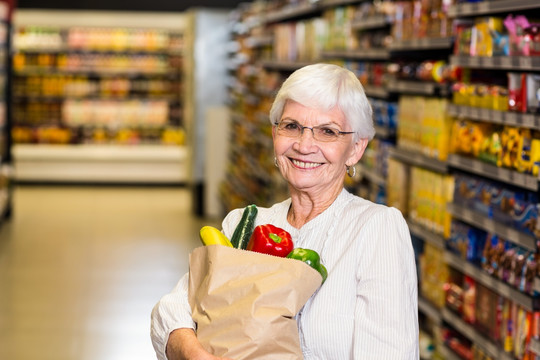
(211, 236)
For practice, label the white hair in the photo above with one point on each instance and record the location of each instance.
(323, 87)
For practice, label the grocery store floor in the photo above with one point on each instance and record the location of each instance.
(82, 267)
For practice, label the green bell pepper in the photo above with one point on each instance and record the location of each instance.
(310, 257)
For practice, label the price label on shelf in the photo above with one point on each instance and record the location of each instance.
(483, 7)
(525, 62)
(474, 61)
(511, 118)
(496, 116)
(506, 62)
(474, 113)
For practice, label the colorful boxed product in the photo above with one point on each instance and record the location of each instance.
(488, 307)
(517, 88)
(466, 241)
(485, 39)
(434, 273)
(533, 93)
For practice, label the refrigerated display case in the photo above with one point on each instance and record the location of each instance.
(98, 97)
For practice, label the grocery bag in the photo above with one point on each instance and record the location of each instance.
(244, 302)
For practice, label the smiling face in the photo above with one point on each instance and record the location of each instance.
(312, 166)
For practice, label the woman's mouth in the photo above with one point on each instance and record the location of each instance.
(305, 165)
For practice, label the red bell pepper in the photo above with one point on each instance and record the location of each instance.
(271, 240)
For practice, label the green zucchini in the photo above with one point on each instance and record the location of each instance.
(245, 227)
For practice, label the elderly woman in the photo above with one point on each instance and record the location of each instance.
(367, 308)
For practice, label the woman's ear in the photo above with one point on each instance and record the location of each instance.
(357, 151)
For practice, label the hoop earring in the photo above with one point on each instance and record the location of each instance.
(349, 171)
(275, 162)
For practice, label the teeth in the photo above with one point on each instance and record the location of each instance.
(305, 165)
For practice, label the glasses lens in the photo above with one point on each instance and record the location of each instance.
(290, 128)
(325, 133)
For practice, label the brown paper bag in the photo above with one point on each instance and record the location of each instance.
(244, 302)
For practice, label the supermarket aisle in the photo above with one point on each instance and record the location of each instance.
(81, 268)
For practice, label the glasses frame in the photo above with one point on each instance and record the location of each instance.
(302, 128)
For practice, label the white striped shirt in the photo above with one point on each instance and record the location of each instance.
(366, 309)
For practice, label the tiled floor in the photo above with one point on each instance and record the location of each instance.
(82, 267)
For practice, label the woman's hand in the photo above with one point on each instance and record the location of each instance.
(184, 345)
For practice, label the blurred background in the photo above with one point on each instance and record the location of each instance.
(126, 128)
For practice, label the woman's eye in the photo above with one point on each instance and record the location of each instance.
(326, 131)
(291, 126)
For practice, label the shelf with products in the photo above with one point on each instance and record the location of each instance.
(98, 64)
(429, 310)
(470, 332)
(427, 235)
(482, 168)
(87, 88)
(526, 301)
(420, 160)
(531, 121)
(497, 62)
(493, 226)
(491, 7)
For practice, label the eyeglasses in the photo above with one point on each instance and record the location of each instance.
(323, 133)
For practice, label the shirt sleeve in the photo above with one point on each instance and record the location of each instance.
(170, 313)
(386, 314)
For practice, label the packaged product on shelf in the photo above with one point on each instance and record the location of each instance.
(488, 308)
(524, 321)
(466, 241)
(434, 274)
(517, 88)
(486, 37)
(469, 300)
(397, 185)
(532, 97)
(524, 36)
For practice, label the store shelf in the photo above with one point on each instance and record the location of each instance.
(376, 91)
(292, 12)
(284, 65)
(420, 160)
(520, 63)
(427, 235)
(417, 87)
(105, 72)
(470, 332)
(534, 346)
(101, 163)
(422, 44)
(118, 98)
(333, 3)
(480, 221)
(425, 307)
(527, 301)
(371, 174)
(478, 167)
(531, 121)
(67, 49)
(384, 132)
(447, 353)
(372, 22)
(365, 54)
(491, 7)
(259, 41)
